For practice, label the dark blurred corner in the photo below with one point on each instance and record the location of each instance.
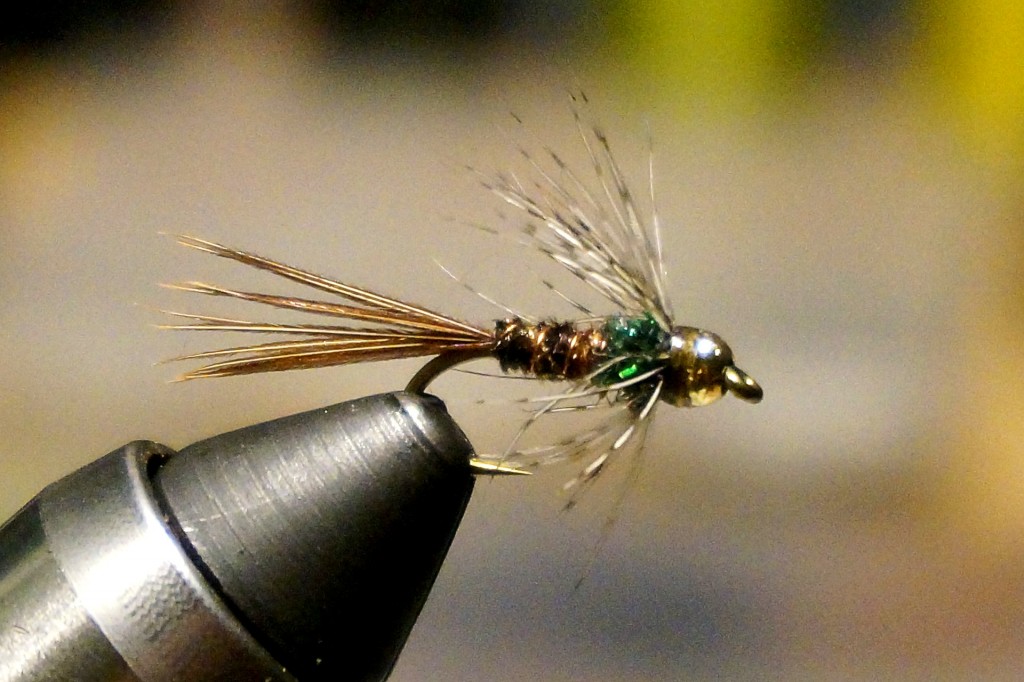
(49, 28)
(442, 26)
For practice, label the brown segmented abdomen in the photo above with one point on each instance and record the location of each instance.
(548, 349)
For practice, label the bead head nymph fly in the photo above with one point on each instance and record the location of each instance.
(626, 362)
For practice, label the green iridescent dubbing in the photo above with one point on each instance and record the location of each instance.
(638, 341)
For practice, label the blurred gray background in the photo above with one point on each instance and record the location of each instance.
(840, 185)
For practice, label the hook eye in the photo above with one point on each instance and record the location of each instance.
(742, 385)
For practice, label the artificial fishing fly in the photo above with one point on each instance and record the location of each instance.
(629, 361)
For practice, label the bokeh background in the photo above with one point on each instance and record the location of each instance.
(840, 184)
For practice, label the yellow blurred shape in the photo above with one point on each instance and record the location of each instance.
(725, 50)
(978, 52)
